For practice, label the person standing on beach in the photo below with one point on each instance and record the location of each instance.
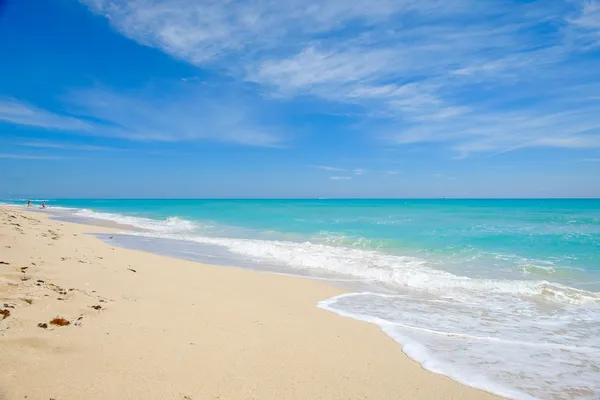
(43, 204)
(28, 203)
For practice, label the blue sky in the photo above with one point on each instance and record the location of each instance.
(300, 98)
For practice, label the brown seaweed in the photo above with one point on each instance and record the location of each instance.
(58, 321)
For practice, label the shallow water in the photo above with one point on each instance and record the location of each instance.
(502, 295)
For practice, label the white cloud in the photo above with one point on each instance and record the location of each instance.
(312, 67)
(326, 168)
(147, 117)
(63, 146)
(340, 178)
(206, 30)
(472, 76)
(181, 117)
(508, 131)
(588, 21)
(359, 171)
(30, 157)
(22, 113)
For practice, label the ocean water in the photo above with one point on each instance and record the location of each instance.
(502, 295)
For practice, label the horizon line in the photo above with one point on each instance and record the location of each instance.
(25, 198)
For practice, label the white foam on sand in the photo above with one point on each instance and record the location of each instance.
(510, 348)
(168, 225)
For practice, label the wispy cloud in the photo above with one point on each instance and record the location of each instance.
(204, 31)
(442, 176)
(147, 117)
(64, 146)
(588, 21)
(22, 113)
(469, 75)
(340, 178)
(185, 116)
(326, 168)
(359, 171)
(510, 130)
(30, 157)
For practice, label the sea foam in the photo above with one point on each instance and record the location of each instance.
(168, 225)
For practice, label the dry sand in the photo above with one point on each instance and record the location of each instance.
(173, 329)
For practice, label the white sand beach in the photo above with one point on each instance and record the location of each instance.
(143, 326)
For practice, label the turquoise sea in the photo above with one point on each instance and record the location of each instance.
(503, 295)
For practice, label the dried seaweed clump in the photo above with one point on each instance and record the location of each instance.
(59, 322)
(5, 314)
(43, 325)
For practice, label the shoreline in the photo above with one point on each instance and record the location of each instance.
(174, 329)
